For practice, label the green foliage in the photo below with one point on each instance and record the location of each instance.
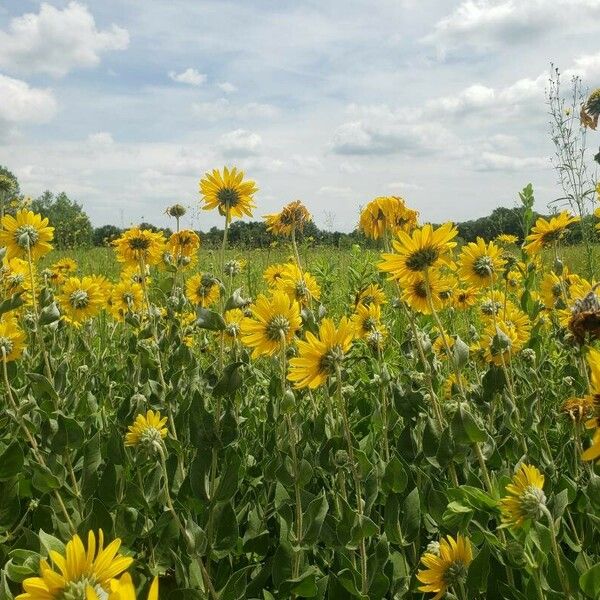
(72, 227)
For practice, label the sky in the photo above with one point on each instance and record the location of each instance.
(125, 104)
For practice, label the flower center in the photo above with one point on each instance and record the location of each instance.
(228, 197)
(277, 326)
(455, 573)
(421, 259)
(483, 266)
(420, 289)
(302, 290)
(76, 590)
(369, 324)
(139, 243)
(6, 344)
(79, 299)
(331, 359)
(532, 501)
(26, 236)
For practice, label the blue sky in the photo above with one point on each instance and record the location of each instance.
(124, 104)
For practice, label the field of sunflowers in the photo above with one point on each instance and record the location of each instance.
(421, 424)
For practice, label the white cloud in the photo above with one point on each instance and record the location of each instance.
(492, 161)
(403, 185)
(485, 24)
(227, 87)
(332, 190)
(240, 142)
(190, 76)
(21, 103)
(56, 41)
(100, 140)
(586, 66)
(223, 109)
(381, 130)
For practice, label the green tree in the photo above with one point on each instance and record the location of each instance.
(72, 227)
(105, 234)
(9, 189)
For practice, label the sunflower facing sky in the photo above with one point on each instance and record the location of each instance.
(202, 290)
(446, 565)
(77, 569)
(524, 497)
(80, 299)
(228, 192)
(480, 263)
(292, 217)
(387, 214)
(423, 249)
(299, 285)
(318, 357)
(12, 339)
(140, 245)
(26, 232)
(274, 321)
(545, 232)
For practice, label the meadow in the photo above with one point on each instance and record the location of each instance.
(417, 421)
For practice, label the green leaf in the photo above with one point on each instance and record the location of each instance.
(461, 352)
(411, 518)
(589, 582)
(394, 477)
(49, 542)
(12, 303)
(11, 460)
(227, 531)
(228, 483)
(49, 314)
(313, 518)
(465, 428)
(43, 479)
(209, 319)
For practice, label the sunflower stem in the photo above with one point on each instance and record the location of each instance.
(355, 475)
(32, 442)
(564, 582)
(186, 536)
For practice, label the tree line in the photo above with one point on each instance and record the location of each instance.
(73, 227)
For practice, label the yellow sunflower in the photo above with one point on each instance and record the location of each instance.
(579, 409)
(233, 324)
(123, 589)
(274, 321)
(465, 297)
(126, 296)
(202, 290)
(77, 569)
(499, 342)
(524, 497)
(12, 339)
(17, 278)
(299, 285)
(182, 248)
(318, 357)
(506, 239)
(146, 429)
(371, 294)
(366, 320)
(452, 385)
(138, 245)
(424, 248)
(228, 192)
(80, 299)
(293, 217)
(387, 213)
(273, 273)
(414, 292)
(545, 232)
(480, 263)
(446, 565)
(26, 233)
